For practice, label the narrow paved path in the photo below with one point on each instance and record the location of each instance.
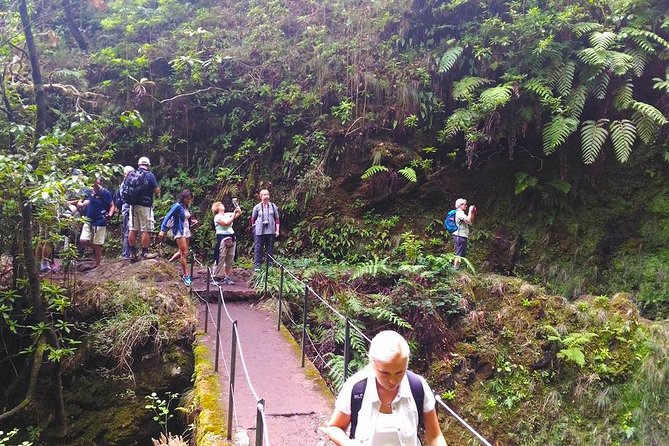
(297, 402)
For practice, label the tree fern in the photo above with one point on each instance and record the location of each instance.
(622, 96)
(646, 127)
(593, 56)
(639, 61)
(621, 63)
(623, 135)
(593, 137)
(373, 170)
(464, 88)
(649, 111)
(566, 78)
(557, 131)
(602, 40)
(583, 28)
(449, 58)
(494, 97)
(409, 173)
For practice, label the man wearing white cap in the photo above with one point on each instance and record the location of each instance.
(138, 190)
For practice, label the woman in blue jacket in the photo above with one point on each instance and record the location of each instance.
(181, 220)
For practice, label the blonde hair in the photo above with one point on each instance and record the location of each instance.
(216, 206)
(388, 345)
(459, 202)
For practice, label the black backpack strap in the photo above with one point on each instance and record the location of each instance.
(418, 393)
(357, 393)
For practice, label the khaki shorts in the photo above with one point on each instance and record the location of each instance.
(141, 218)
(226, 255)
(186, 233)
(94, 234)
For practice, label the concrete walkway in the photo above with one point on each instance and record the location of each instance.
(297, 402)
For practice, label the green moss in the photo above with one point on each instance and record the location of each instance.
(210, 427)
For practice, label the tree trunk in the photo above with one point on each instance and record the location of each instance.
(38, 85)
(72, 26)
(9, 111)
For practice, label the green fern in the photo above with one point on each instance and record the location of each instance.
(602, 40)
(449, 58)
(464, 88)
(593, 56)
(459, 121)
(583, 28)
(601, 86)
(566, 78)
(622, 96)
(593, 137)
(373, 268)
(661, 84)
(557, 131)
(387, 315)
(577, 100)
(623, 135)
(373, 170)
(646, 127)
(409, 173)
(649, 111)
(494, 97)
(621, 63)
(636, 32)
(639, 61)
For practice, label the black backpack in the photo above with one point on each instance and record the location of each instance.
(359, 391)
(134, 187)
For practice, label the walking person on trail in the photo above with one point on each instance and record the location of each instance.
(181, 219)
(226, 241)
(100, 208)
(265, 224)
(138, 190)
(125, 213)
(461, 235)
(384, 403)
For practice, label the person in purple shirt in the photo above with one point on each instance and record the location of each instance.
(99, 207)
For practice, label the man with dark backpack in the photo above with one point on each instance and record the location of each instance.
(138, 190)
(462, 223)
(385, 403)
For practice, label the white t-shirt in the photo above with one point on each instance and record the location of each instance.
(463, 226)
(371, 425)
(220, 228)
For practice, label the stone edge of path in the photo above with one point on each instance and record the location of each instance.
(210, 421)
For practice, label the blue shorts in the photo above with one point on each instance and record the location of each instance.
(460, 246)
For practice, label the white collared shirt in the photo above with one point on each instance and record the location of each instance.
(404, 409)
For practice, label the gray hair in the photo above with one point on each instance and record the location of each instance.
(387, 345)
(459, 202)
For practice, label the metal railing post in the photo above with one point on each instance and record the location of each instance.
(206, 305)
(231, 396)
(278, 323)
(304, 322)
(192, 261)
(347, 347)
(218, 330)
(260, 426)
(266, 273)
(208, 280)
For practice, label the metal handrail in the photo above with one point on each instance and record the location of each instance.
(347, 339)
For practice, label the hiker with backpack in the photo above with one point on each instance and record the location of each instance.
(180, 216)
(100, 208)
(457, 223)
(125, 214)
(265, 224)
(385, 403)
(138, 190)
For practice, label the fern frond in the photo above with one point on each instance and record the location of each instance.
(639, 61)
(602, 40)
(646, 127)
(661, 84)
(583, 28)
(623, 135)
(494, 97)
(464, 88)
(621, 63)
(385, 314)
(622, 96)
(373, 170)
(557, 131)
(651, 36)
(601, 86)
(593, 56)
(449, 58)
(566, 78)
(459, 121)
(649, 111)
(373, 268)
(409, 173)
(593, 137)
(577, 99)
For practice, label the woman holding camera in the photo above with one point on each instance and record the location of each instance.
(265, 223)
(226, 243)
(463, 221)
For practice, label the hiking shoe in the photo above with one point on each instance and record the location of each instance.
(228, 281)
(44, 269)
(149, 255)
(186, 280)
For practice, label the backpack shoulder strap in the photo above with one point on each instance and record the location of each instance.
(418, 393)
(357, 393)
